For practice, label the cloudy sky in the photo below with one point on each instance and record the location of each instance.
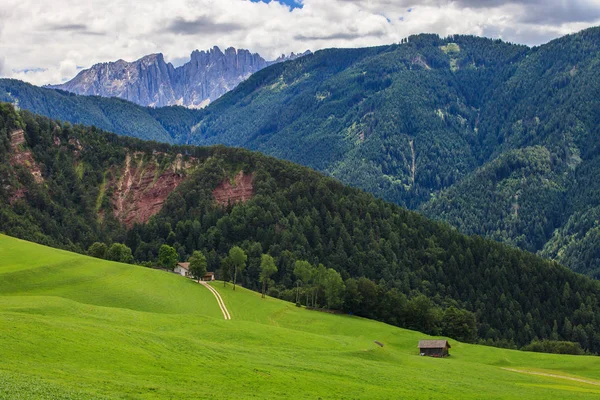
(50, 41)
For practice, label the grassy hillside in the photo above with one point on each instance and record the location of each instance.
(80, 328)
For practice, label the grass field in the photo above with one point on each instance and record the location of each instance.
(73, 327)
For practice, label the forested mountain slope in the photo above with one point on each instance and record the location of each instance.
(399, 120)
(72, 186)
(414, 123)
(497, 139)
(542, 197)
(165, 124)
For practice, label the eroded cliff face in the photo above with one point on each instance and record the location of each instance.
(137, 188)
(21, 155)
(150, 81)
(141, 186)
(241, 189)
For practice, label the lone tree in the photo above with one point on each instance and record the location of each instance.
(238, 258)
(198, 265)
(98, 250)
(267, 268)
(167, 256)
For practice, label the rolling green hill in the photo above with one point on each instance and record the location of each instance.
(69, 187)
(74, 327)
(420, 123)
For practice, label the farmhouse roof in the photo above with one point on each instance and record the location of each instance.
(433, 344)
(185, 265)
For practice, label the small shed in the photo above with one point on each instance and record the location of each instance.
(434, 348)
(209, 276)
(183, 268)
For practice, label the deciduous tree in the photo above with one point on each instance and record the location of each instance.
(334, 288)
(198, 265)
(267, 268)
(98, 250)
(238, 258)
(302, 272)
(167, 256)
(120, 253)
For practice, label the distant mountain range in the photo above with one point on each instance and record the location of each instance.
(150, 81)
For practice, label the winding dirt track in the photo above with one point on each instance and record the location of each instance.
(219, 300)
(553, 376)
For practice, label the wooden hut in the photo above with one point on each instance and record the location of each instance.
(434, 348)
(209, 276)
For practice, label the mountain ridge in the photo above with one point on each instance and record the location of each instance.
(151, 81)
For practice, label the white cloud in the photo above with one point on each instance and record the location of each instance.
(49, 44)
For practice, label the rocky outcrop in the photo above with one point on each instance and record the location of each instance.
(150, 81)
(142, 188)
(240, 190)
(23, 157)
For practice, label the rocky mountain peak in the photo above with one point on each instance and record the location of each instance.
(150, 81)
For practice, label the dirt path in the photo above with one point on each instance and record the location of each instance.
(219, 300)
(553, 376)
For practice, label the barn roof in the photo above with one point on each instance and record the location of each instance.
(433, 344)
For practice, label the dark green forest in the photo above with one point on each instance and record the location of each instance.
(497, 139)
(395, 265)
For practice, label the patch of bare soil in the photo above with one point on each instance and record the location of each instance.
(22, 157)
(240, 190)
(142, 189)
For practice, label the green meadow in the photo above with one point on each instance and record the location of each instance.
(74, 327)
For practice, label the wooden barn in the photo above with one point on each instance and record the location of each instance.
(434, 348)
(209, 276)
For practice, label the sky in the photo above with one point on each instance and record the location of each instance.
(43, 41)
